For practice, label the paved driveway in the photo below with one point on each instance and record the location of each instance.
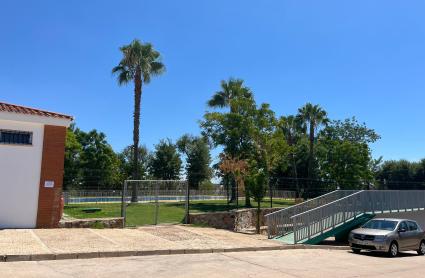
(267, 264)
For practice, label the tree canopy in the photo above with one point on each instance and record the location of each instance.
(165, 163)
(198, 159)
(307, 151)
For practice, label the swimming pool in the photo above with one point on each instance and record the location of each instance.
(142, 199)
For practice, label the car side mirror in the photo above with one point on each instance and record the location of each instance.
(402, 230)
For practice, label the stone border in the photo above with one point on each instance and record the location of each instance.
(109, 254)
(110, 223)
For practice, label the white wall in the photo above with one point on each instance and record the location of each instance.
(20, 177)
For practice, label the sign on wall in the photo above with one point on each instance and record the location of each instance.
(49, 184)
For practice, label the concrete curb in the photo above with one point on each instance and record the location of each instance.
(109, 254)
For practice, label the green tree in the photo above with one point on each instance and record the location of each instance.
(231, 130)
(207, 185)
(139, 64)
(347, 164)
(401, 174)
(249, 133)
(350, 130)
(291, 128)
(198, 159)
(312, 117)
(420, 171)
(270, 147)
(126, 162)
(256, 183)
(72, 169)
(99, 164)
(344, 154)
(165, 163)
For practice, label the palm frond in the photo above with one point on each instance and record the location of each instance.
(218, 100)
(124, 76)
(157, 68)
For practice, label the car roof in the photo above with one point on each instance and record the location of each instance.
(394, 219)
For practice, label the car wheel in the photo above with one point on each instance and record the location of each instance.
(421, 250)
(355, 250)
(393, 251)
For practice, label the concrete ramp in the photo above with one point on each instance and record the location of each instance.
(339, 232)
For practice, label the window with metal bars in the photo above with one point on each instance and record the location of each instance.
(15, 137)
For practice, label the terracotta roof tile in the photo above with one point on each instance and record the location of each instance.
(7, 107)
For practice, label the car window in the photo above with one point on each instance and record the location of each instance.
(403, 226)
(379, 224)
(412, 226)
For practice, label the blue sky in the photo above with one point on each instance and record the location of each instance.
(354, 58)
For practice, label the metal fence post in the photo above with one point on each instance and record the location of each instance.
(156, 202)
(123, 202)
(271, 195)
(398, 201)
(308, 226)
(382, 201)
(187, 220)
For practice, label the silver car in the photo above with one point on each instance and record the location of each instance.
(388, 235)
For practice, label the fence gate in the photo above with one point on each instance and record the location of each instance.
(152, 202)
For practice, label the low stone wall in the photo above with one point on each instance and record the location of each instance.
(219, 220)
(247, 218)
(235, 220)
(93, 223)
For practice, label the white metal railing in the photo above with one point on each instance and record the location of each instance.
(279, 222)
(323, 218)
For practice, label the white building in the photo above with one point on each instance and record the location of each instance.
(31, 166)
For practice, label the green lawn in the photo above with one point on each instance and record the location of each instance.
(144, 214)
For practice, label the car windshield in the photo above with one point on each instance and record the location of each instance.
(387, 225)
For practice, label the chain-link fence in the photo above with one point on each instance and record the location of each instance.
(151, 202)
(160, 202)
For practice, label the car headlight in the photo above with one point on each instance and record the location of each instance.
(380, 238)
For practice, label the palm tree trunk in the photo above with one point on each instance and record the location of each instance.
(136, 127)
(294, 164)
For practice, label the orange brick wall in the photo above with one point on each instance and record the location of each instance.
(48, 214)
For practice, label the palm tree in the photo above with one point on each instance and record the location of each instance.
(291, 127)
(312, 116)
(139, 63)
(230, 90)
